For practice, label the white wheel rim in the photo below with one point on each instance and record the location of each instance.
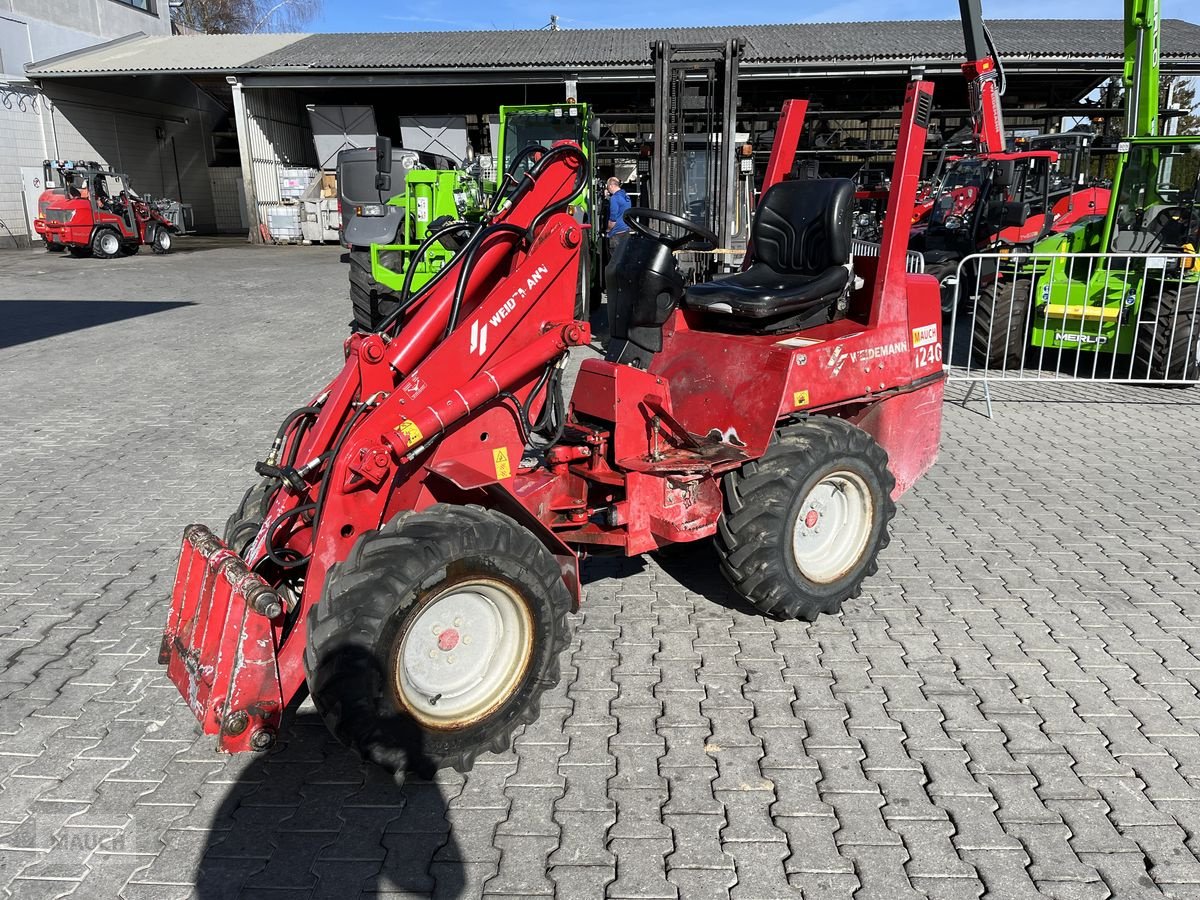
(464, 654)
(832, 527)
(164, 240)
(109, 243)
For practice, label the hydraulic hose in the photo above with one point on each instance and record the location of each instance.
(553, 153)
(286, 425)
(269, 544)
(405, 299)
(581, 180)
(468, 263)
(1001, 77)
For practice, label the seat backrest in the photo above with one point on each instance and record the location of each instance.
(803, 227)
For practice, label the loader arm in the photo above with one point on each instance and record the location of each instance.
(495, 318)
(983, 80)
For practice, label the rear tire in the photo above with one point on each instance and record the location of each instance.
(1001, 323)
(106, 244)
(1169, 348)
(823, 475)
(370, 300)
(449, 584)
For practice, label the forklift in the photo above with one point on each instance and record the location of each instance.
(699, 167)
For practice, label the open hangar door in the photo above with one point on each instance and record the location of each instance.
(156, 133)
(275, 129)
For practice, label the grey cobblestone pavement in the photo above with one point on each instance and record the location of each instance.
(1010, 710)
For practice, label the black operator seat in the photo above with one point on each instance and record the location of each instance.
(799, 258)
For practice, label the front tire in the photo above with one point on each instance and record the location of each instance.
(106, 244)
(162, 241)
(435, 639)
(1001, 323)
(371, 301)
(803, 525)
(1168, 348)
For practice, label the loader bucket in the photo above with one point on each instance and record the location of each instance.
(219, 644)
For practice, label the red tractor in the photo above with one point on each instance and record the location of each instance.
(413, 546)
(93, 212)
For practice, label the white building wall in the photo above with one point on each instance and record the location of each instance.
(24, 126)
(33, 128)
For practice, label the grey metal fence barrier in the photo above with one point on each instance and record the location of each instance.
(1132, 318)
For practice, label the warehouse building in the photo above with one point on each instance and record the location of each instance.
(215, 120)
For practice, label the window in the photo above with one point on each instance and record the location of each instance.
(143, 5)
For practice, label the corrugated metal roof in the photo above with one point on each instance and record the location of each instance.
(840, 42)
(797, 43)
(167, 53)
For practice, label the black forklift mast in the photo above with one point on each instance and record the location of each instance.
(974, 37)
(695, 93)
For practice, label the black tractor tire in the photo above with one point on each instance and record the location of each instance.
(370, 300)
(131, 248)
(244, 525)
(80, 252)
(106, 244)
(162, 241)
(943, 271)
(374, 604)
(1001, 327)
(769, 506)
(1169, 347)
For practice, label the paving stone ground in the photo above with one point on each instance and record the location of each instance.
(1010, 710)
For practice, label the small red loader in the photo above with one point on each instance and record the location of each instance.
(93, 213)
(412, 546)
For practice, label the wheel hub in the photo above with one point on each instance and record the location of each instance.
(464, 654)
(832, 527)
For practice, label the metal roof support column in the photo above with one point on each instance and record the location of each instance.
(244, 152)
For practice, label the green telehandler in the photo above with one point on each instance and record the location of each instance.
(1121, 287)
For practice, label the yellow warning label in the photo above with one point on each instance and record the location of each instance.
(799, 399)
(500, 457)
(410, 432)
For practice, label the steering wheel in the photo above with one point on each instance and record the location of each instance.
(694, 234)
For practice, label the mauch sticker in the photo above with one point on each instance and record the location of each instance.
(924, 336)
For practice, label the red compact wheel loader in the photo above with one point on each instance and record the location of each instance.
(412, 546)
(95, 214)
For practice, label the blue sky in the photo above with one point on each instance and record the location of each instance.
(387, 15)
